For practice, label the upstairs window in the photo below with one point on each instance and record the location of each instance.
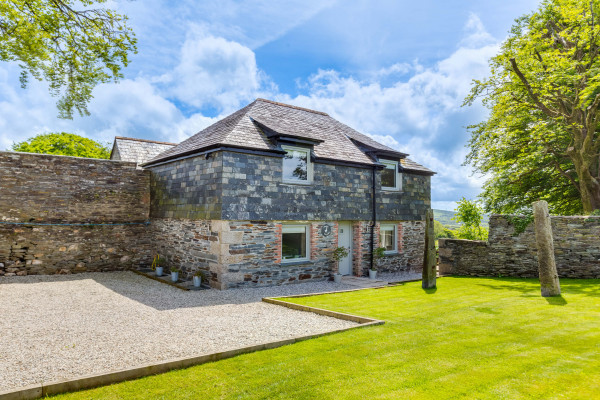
(390, 178)
(387, 238)
(297, 167)
(294, 243)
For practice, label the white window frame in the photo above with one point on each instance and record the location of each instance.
(394, 228)
(398, 186)
(289, 228)
(309, 166)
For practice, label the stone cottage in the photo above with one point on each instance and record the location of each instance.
(263, 196)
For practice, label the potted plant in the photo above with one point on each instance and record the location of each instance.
(158, 265)
(174, 274)
(378, 253)
(336, 256)
(198, 278)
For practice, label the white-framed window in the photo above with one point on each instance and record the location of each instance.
(391, 179)
(297, 167)
(388, 238)
(295, 243)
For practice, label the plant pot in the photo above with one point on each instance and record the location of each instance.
(372, 274)
(197, 281)
(337, 278)
(159, 271)
(174, 276)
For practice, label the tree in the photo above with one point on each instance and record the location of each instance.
(470, 215)
(541, 140)
(66, 144)
(441, 231)
(72, 49)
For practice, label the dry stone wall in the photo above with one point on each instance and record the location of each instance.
(66, 214)
(576, 247)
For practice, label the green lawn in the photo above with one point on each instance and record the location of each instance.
(471, 338)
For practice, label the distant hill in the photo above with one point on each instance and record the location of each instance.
(445, 217)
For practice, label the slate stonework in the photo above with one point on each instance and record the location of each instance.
(253, 189)
(248, 253)
(188, 188)
(45, 199)
(48, 250)
(41, 187)
(576, 247)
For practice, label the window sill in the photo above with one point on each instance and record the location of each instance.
(391, 190)
(391, 253)
(294, 263)
(297, 183)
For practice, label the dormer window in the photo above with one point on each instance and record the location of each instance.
(391, 179)
(297, 167)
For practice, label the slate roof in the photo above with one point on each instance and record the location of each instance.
(137, 150)
(253, 126)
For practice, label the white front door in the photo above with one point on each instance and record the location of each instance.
(345, 240)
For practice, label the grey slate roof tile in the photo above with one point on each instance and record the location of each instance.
(137, 150)
(337, 141)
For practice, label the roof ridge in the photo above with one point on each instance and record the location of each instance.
(144, 140)
(291, 106)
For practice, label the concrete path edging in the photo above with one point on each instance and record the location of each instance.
(92, 381)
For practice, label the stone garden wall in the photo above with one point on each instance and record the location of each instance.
(66, 214)
(576, 247)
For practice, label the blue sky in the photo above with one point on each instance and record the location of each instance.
(396, 70)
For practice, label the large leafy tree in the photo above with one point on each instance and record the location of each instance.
(65, 144)
(541, 140)
(68, 43)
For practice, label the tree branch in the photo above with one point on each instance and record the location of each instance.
(534, 97)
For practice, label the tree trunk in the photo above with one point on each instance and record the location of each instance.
(587, 166)
(429, 258)
(545, 245)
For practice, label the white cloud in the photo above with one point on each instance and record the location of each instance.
(421, 114)
(411, 107)
(215, 72)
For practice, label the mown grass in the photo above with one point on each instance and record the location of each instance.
(471, 338)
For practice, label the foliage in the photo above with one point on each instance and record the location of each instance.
(596, 212)
(520, 222)
(378, 254)
(441, 232)
(68, 43)
(474, 338)
(470, 215)
(174, 269)
(66, 144)
(158, 262)
(339, 253)
(541, 140)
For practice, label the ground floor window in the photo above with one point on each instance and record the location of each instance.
(294, 243)
(387, 238)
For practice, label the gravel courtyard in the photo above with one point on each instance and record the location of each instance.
(61, 327)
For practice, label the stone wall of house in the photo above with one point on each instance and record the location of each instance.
(235, 254)
(253, 190)
(66, 214)
(188, 189)
(576, 247)
(190, 245)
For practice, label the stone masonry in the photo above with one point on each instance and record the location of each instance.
(576, 247)
(65, 214)
(223, 212)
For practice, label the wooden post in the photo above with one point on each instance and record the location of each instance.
(545, 245)
(429, 258)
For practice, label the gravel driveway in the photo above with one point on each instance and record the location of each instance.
(61, 327)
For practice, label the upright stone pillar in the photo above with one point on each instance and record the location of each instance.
(545, 246)
(429, 258)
